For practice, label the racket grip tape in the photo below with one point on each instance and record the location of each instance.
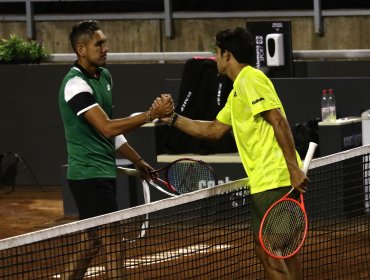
(309, 155)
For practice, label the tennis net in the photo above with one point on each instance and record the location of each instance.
(206, 234)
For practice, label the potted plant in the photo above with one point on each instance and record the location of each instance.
(16, 50)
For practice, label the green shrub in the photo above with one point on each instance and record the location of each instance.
(16, 50)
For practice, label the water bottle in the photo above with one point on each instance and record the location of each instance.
(325, 111)
(332, 106)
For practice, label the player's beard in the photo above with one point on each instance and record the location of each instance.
(99, 63)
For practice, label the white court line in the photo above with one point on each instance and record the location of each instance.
(91, 272)
(174, 254)
(158, 258)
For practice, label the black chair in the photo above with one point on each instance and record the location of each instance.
(9, 167)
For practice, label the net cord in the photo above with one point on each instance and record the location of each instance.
(326, 160)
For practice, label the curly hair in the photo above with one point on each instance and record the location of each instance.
(239, 41)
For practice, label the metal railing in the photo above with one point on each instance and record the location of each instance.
(162, 57)
(168, 15)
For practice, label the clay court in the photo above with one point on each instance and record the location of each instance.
(28, 209)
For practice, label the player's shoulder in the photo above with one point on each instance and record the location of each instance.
(253, 72)
(73, 73)
(250, 76)
(105, 72)
(255, 77)
(76, 81)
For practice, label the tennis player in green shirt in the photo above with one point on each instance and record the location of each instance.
(93, 137)
(262, 134)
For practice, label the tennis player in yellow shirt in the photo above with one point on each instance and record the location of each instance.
(265, 143)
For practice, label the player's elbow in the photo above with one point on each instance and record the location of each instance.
(213, 135)
(216, 131)
(107, 132)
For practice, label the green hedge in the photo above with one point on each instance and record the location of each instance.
(16, 50)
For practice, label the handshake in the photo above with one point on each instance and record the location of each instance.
(162, 108)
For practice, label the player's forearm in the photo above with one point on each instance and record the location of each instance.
(196, 128)
(113, 127)
(124, 125)
(108, 127)
(130, 153)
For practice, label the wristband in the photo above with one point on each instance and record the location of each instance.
(149, 115)
(173, 119)
(119, 140)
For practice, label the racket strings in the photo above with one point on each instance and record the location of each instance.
(283, 228)
(190, 176)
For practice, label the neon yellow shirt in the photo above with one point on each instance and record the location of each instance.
(261, 155)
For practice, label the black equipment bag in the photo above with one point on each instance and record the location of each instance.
(203, 93)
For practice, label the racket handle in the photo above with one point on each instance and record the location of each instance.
(309, 155)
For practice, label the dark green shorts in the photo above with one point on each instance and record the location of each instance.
(260, 202)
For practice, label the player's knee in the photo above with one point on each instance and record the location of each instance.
(259, 252)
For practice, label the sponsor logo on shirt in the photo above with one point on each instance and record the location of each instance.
(185, 101)
(257, 100)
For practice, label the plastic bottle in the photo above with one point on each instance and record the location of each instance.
(332, 106)
(325, 111)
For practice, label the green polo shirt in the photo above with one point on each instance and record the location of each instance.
(90, 154)
(261, 155)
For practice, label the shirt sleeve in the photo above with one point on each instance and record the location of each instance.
(224, 115)
(260, 94)
(79, 95)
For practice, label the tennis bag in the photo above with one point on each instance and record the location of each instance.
(202, 94)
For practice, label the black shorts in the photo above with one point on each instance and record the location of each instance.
(94, 197)
(260, 202)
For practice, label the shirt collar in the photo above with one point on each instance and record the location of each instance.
(83, 71)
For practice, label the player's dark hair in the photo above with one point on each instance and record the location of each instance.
(239, 42)
(84, 28)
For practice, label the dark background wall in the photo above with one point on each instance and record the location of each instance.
(31, 126)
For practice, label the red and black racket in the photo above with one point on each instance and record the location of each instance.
(180, 176)
(284, 226)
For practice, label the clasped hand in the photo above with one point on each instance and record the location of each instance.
(162, 106)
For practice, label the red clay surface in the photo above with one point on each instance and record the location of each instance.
(28, 209)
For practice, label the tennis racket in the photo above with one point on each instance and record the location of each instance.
(131, 234)
(137, 173)
(146, 194)
(284, 226)
(180, 176)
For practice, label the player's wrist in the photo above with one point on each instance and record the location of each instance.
(173, 119)
(137, 161)
(149, 116)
